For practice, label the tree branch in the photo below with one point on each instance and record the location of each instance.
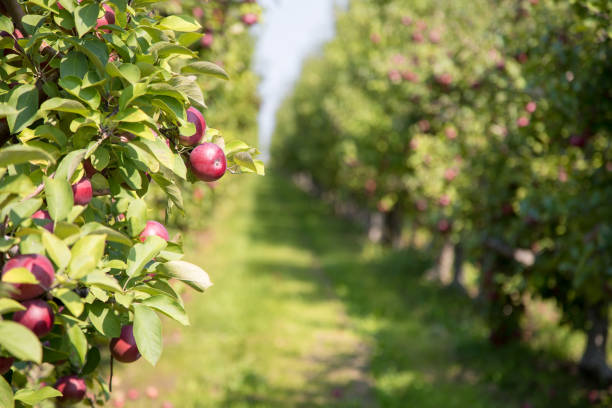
(523, 256)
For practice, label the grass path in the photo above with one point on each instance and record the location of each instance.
(304, 314)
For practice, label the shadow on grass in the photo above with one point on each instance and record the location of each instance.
(428, 343)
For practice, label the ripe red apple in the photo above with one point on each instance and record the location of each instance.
(531, 107)
(73, 389)
(522, 121)
(410, 76)
(206, 40)
(417, 37)
(197, 12)
(152, 392)
(395, 76)
(133, 394)
(154, 228)
(5, 364)
(194, 116)
(444, 226)
(208, 162)
(451, 133)
(82, 192)
(108, 18)
(124, 348)
(375, 38)
(41, 268)
(249, 18)
(37, 317)
(44, 215)
(406, 20)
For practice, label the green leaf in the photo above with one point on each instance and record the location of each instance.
(141, 254)
(136, 217)
(130, 93)
(6, 24)
(60, 199)
(17, 154)
(104, 320)
(234, 146)
(69, 164)
(103, 281)
(147, 333)
(34, 396)
(64, 105)
(78, 342)
(74, 64)
(57, 250)
(86, 254)
(19, 275)
(9, 305)
(85, 17)
(24, 99)
(92, 360)
(19, 184)
(6, 394)
(187, 272)
(244, 159)
(205, 67)
(180, 23)
(189, 87)
(71, 300)
(111, 234)
(20, 341)
(168, 306)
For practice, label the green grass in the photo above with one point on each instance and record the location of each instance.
(304, 313)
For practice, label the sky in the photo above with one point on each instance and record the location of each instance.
(291, 30)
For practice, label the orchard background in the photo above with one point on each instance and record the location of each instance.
(433, 228)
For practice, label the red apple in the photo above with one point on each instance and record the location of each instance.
(44, 215)
(37, 317)
(73, 389)
(108, 18)
(531, 107)
(249, 18)
(133, 394)
(194, 116)
(395, 76)
(5, 364)
(444, 226)
(154, 228)
(522, 121)
(41, 268)
(208, 162)
(124, 348)
(152, 392)
(206, 40)
(197, 12)
(82, 192)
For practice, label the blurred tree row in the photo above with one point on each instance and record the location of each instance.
(486, 124)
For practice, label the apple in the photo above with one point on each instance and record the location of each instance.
(395, 76)
(406, 20)
(133, 394)
(167, 404)
(72, 387)
(531, 107)
(444, 79)
(206, 40)
(249, 18)
(444, 225)
(197, 12)
(44, 215)
(82, 192)
(194, 116)
(152, 392)
(451, 133)
(5, 364)
(435, 36)
(522, 121)
(410, 76)
(108, 18)
(40, 267)
(124, 348)
(417, 37)
(154, 228)
(375, 38)
(37, 317)
(208, 162)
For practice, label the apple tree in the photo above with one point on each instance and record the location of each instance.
(98, 102)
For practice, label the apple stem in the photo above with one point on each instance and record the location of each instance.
(110, 380)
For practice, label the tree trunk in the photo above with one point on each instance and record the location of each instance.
(445, 262)
(392, 229)
(593, 361)
(458, 268)
(375, 228)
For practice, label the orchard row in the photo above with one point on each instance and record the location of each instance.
(486, 124)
